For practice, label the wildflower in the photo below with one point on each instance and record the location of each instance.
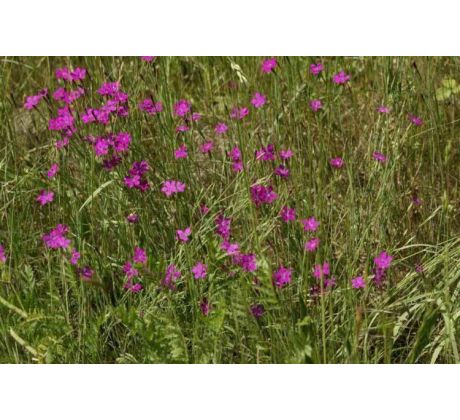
(109, 89)
(379, 157)
(75, 256)
(257, 310)
(132, 218)
(204, 209)
(2, 254)
(230, 248)
(221, 128)
(258, 100)
(199, 270)
(247, 262)
(340, 78)
(207, 147)
(281, 171)
(268, 65)
(282, 276)
(330, 282)
(286, 154)
(316, 69)
(171, 187)
(56, 237)
(32, 101)
(312, 244)
(101, 147)
(336, 162)
(310, 224)
(172, 274)
(237, 166)
(121, 142)
(419, 268)
(130, 270)
(266, 153)
(383, 109)
(288, 214)
(316, 105)
(321, 271)
(152, 108)
(148, 58)
(136, 178)
(45, 197)
(53, 170)
(235, 154)
(417, 121)
(262, 195)
(140, 256)
(136, 288)
(86, 272)
(416, 200)
(239, 113)
(383, 260)
(182, 235)
(196, 116)
(358, 283)
(223, 226)
(182, 107)
(182, 128)
(205, 307)
(181, 152)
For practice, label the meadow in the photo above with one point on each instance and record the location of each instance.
(229, 210)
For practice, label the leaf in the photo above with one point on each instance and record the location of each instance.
(95, 194)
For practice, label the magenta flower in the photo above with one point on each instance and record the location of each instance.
(288, 214)
(101, 147)
(2, 254)
(150, 107)
(316, 105)
(286, 154)
(148, 58)
(310, 224)
(281, 171)
(312, 244)
(221, 128)
(53, 170)
(379, 157)
(199, 270)
(140, 256)
(205, 307)
(204, 209)
(182, 235)
(182, 128)
(417, 201)
(257, 310)
(171, 187)
(383, 109)
(239, 113)
(182, 107)
(340, 78)
(130, 270)
(258, 100)
(45, 197)
(358, 283)
(207, 147)
(223, 226)
(230, 248)
(417, 121)
(196, 116)
(247, 262)
(282, 276)
(316, 69)
(172, 274)
(321, 271)
(336, 162)
(266, 153)
(132, 218)
(383, 260)
(32, 101)
(268, 65)
(86, 272)
(262, 195)
(56, 237)
(75, 256)
(181, 152)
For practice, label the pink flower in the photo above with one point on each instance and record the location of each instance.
(282, 276)
(288, 214)
(310, 224)
(239, 113)
(321, 271)
(182, 128)
(45, 197)
(379, 157)
(121, 142)
(257, 310)
(75, 256)
(140, 256)
(181, 152)
(340, 78)
(207, 147)
(415, 120)
(205, 307)
(266, 153)
(182, 235)
(56, 237)
(316, 69)
(53, 170)
(316, 105)
(336, 162)
(221, 128)
(281, 171)
(199, 270)
(262, 195)
(2, 254)
(312, 244)
(182, 107)
(383, 260)
(268, 65)
(147, 105)
(132, 218)
(196, 116)
(171, 187)
(247, 262)
(101, 147)
(148, 58)
(85, 272)
(172, 274)
(383, 109)
(258, 100)
(358, 283)
(130, 270)
(286, 154)
(32, 101)
(230, 248)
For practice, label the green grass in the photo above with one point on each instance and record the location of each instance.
(49, 315)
